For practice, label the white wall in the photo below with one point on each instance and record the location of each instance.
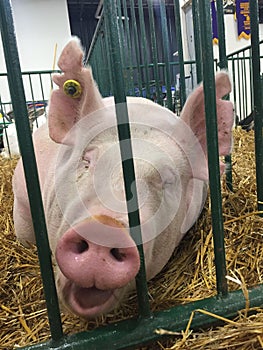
(232, 42)
(243, 102)
(231, 38)
(40, 25)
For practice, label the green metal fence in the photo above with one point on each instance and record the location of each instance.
(240, 66)
(151, 69)
(112, 47)
(37, 86)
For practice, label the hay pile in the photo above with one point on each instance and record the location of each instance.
(189, 276)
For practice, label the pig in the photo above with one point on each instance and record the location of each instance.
(82, 185)
(10, 136)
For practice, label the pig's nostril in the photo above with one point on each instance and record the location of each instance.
(82, 246)
(118, 254)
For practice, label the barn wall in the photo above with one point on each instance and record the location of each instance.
(39, 25)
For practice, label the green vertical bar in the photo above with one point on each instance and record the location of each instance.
(180, 51)
(240, 88)
(5, 126)
(212, 146)
(126, 151)
(42, 92)
(32, 98)
(244, 83)
(234, 86)
(32, 92)
(166, 53)
(144, 50)
(96, 65)
(107, 46)
(129, 50)
(223, 64)
(30, 167)
(120, 26)
(123, 50)
(125, 53)
(154, 53)
(251, 77)
(104, 81)
(51, 82)
(136, 45)
(105, 68)
(258, 107)
(197, 41)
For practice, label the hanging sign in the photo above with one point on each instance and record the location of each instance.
(243, 19)
(214, 22)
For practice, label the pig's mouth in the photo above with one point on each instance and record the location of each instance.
(88, 302)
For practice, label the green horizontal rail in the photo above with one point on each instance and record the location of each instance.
(35, 72)
(243, 49)
(244, 58)
(133, 332)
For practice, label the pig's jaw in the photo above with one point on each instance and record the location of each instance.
(88, 302)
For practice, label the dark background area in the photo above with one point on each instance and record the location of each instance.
(83, 21)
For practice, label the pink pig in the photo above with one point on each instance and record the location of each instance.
(82, 186)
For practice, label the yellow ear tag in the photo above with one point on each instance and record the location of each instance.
(72, 88)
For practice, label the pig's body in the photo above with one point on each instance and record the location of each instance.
(83, 193)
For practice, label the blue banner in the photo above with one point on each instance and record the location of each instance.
(243, 19)
(214, 22)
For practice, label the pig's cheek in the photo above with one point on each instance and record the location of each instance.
(59, 283)
(149, 258)
(150, 212)
(147, 250)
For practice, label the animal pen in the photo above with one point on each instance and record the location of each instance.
(122, 65)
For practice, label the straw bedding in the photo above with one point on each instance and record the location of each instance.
(189, 276)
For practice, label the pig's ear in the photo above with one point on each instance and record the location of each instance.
(77, 95)
(193, 114)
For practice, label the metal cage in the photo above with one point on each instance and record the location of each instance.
(114, 77)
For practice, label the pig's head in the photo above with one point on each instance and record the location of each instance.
(96, 256)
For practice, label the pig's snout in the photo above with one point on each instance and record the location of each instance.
(98, 253)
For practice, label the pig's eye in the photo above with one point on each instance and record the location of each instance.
(169, 177)
(89, 157)
(86, 161)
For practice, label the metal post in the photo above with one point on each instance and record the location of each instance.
(126, 152)
(197, 40)
(180, 51)
(144, 51)
(154, 52)
(212, 146)
(223, 64)
(136, 45)
(166, 53)
(258, 107)
(30, 168)
(128, 48)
